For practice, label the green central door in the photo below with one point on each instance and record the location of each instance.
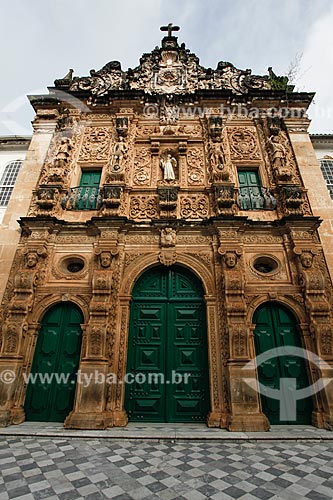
(50, 396)
(167, 369)
(276, 327)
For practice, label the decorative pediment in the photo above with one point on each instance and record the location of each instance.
(170, 69)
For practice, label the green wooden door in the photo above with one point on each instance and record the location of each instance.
(167, 349)
(88, 191)
(50, 396)
(276, 327)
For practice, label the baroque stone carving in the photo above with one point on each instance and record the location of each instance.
(167, 258)
(215, 127)
(96, 144)
(171, 69)
(167, 200)
(143, 207)
(168, 237)
(194, 207)
(278, 152)
(32, 256)
(218, 171)
(224, 198)
(168, 165)
(142, 169)
(293, 200)
(118, 161)
(243, 143)
(195, 166)
(100, 82)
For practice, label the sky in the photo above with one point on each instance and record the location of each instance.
(42, 39)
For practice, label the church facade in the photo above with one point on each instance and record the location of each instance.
(172, 237)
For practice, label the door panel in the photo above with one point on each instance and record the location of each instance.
(276, 327)
(168, 337)
(55, 364)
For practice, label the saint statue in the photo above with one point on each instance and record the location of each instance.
(120, 150)
(168, 166)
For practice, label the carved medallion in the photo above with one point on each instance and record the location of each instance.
(96, 143)
(243, 143)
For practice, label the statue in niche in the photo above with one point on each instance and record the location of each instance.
(63, 152)
(119, 153)
(168, 165)
(278, 153)
(217, 170)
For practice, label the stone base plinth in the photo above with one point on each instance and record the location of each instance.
(92, 421)
(120, 418)
(248, 423)
(217, 419)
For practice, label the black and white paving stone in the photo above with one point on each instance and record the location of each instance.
(37, 467)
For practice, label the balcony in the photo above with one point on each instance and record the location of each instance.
(255, 198)
(82, 198)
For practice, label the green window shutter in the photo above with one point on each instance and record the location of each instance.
(86, 195)
(250, 193)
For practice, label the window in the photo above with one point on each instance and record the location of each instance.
(86, 196)
(250, 196)
(327, 171)
(8, 180)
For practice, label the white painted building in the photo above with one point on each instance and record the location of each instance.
(323, 146)
(13, 150)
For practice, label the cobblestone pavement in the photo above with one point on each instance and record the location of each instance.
(66, 469)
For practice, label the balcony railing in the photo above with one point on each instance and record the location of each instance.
(256, 198)
(82, 198)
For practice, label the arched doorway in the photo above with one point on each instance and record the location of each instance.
(51, 389)
(167, 348)
(276, 327)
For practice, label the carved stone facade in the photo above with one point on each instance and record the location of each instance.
(169, 154)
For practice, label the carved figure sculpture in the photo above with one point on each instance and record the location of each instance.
(168, 237)
(105, 259)
(119, 152)
(63, 152)
(230, 259)
(306, 259)
(168, 166)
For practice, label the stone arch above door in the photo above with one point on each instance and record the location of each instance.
(142, 263)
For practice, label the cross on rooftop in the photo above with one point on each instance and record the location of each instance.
(170, 28)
